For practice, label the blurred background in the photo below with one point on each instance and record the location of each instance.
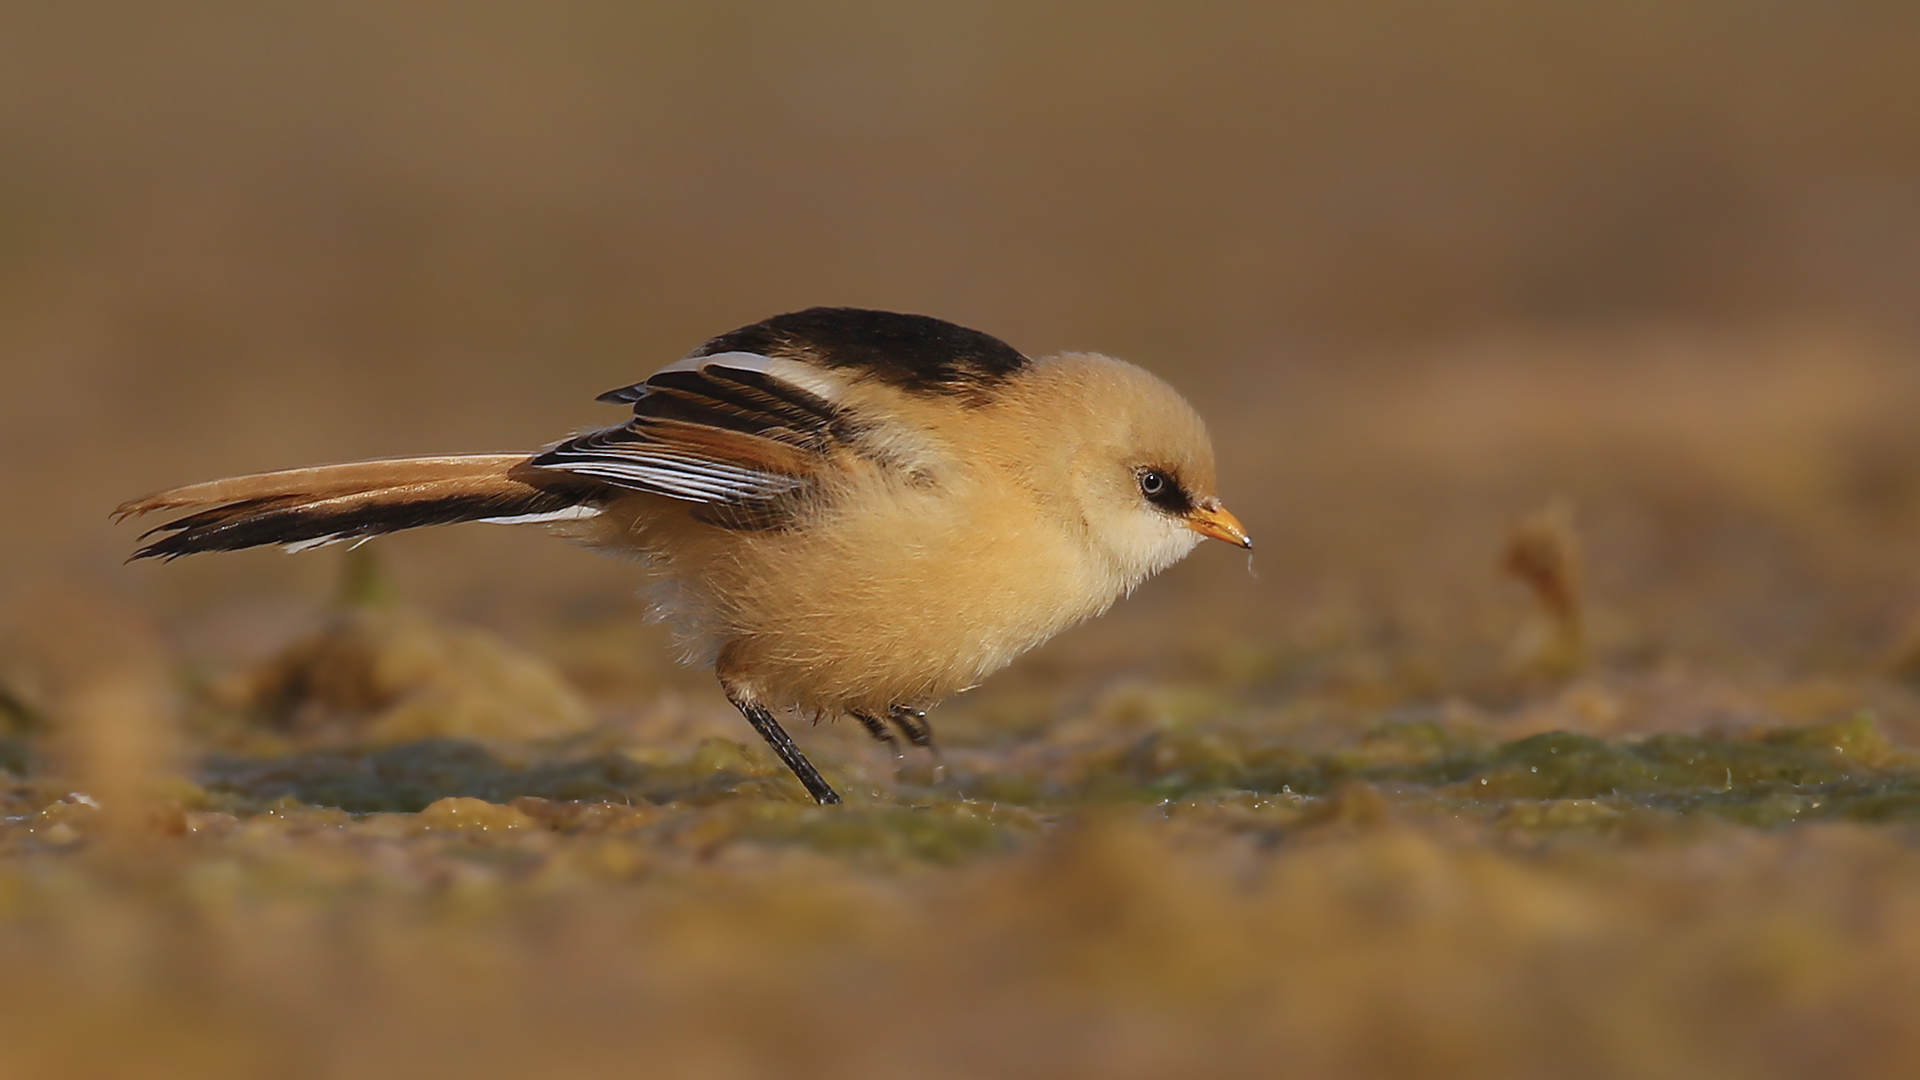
(1425, 266)
(1564, 360)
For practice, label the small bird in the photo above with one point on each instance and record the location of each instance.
(849, 512)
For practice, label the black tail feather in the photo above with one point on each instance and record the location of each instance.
(294, 522)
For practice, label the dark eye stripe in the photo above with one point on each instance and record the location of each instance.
(1164, 491)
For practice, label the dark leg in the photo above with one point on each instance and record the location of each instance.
(913, 724)
(776, 736)
(878, 730)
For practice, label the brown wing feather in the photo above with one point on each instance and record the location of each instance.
(723, 433)
(322, 480)
(764, 452)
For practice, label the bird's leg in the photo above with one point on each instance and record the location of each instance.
(913, 724)
(777, 737)
(878, 730)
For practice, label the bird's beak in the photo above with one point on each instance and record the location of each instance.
(1214, 521)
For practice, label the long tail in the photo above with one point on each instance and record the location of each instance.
(303, 508)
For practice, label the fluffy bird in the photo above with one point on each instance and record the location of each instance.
(850, 512)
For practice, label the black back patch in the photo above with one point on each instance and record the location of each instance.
(914, 352)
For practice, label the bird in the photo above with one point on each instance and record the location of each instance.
(846, 512)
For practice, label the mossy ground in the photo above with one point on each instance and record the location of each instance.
(1170, 881)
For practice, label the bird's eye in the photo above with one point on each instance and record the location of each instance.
(1163, 491)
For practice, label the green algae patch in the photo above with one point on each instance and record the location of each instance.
(947, 832)
(16, 756)
(407, 778)
(1568, 765)
(1769, 779)
(1167, 764)
(1555, 765)
(1857, 740)
(1766, 778)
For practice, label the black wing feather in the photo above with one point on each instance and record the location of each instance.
(917, 353)
(750, 481)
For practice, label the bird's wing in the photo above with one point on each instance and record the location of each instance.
(756, 415)
(731, 428)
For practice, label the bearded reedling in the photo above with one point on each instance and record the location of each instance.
(850, 512)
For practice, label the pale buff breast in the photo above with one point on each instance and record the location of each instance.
(913, 596)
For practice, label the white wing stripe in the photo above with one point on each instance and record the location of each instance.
(571, 513)
(805, 376)
(681, 485)
(299, 546)
(696, 477)
(669, 472)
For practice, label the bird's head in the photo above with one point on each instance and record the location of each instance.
(1140, 465)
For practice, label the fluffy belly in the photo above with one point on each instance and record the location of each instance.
(901, 607)
(916, 628)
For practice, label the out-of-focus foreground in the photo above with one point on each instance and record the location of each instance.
(1563, 363)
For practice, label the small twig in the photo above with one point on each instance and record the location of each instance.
(1543, 552)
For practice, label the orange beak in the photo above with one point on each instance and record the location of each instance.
(1216, 523)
